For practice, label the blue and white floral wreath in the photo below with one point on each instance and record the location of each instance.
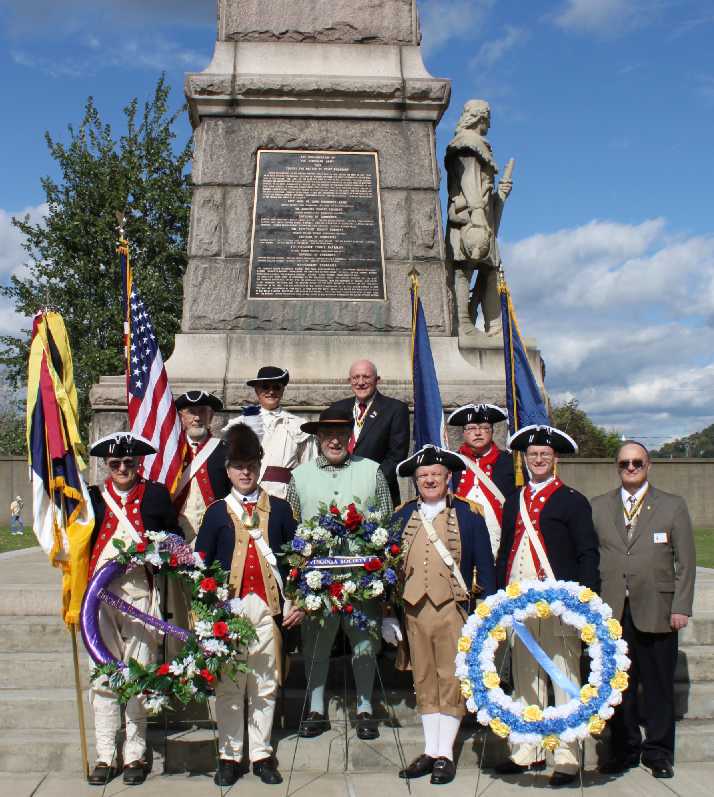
(590, 706)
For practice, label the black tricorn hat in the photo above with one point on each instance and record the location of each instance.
(430, 455)
(122, 444)
(269, 373)
(537, 435)
(331, 418)
(242, 444)
(477, 413)
(198, 398)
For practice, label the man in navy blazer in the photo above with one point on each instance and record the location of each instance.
(381, 430)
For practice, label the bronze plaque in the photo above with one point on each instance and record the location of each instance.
(317, 227)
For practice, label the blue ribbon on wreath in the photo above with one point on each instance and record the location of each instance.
(556, 676)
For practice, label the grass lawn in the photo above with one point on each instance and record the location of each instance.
(704, 539)
(8, 542)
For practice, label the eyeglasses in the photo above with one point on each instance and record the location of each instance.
(478, 427)
(535, 457)
(635, 464)
(128, 463)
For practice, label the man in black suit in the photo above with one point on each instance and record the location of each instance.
(381, 430)
(548, 533)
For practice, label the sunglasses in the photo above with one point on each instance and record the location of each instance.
(635, 464)
(128, 463)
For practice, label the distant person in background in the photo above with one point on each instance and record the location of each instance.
(16, 526)
(647, 565)
(381, 430)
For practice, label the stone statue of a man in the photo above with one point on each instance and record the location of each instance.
(475, 208)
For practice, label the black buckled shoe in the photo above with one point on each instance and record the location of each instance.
(444, 771)
(661, 768)
(135, 773)
(509, 767)
(558, 779)
(420, 766)
(267, 770)
(313, 725)
(227, 773)
(101, 774)
(366, 727)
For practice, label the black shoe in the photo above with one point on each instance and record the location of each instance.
(419, 767)
(660, 769)
(509, 767)
(101, 774)
(227, 773)
(616, 766)
(134, 773)
(267, 770)
(561, 779)
(366, 727)
(313, 725)
(444, 771)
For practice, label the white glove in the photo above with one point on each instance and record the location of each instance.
(391, 632)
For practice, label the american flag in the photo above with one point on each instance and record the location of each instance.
(152, 412)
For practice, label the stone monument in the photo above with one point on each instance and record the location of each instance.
(316, 192)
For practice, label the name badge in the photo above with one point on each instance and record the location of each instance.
(660, 537)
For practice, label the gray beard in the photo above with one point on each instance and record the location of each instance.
(197, 433)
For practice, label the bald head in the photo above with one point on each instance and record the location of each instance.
(363, 379)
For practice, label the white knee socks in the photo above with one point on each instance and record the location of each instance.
(430, 723)
(440, 734)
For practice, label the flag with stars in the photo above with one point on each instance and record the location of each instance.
(152, 412)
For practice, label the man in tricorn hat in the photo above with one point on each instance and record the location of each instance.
(488, 477)
(126, 506)
(447, 557)
(244, 531)
(285, 444)
(337, 476)
(548, 533)
(203, 479)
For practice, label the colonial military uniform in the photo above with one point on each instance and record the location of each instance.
(244, 533)
(126, 517)
(285, 445)
(488, 478)
(548, 533)
(446, 554)
(203, 479)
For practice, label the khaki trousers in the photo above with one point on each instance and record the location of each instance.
(258, 687)
(433, 635)
(126, 638)
(561, 643)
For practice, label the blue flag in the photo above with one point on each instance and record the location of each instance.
(523, 394)
(429, 426)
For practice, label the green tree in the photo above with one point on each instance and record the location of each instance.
(698, 444)
(592, 440)
(73, 265)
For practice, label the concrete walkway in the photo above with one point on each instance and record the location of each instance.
(691, 780)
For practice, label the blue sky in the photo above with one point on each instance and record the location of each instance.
(606, 105)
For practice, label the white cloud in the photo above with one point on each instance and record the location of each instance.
(597, 16)
(494, 50)
(623, 315)
(445, 20)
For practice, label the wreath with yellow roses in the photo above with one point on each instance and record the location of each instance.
(553, 726)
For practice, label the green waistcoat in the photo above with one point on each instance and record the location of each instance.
(357, 480)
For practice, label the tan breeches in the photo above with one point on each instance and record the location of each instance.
(433, 635)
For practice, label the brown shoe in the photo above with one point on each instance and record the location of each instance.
(101, 774)
(134, 773)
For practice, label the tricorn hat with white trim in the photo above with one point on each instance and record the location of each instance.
(430, 455)
(477, 413)
(122, 444)
(537, 435)
(269, 373)
(199, 398)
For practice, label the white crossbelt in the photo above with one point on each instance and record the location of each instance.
(257, 536)
(121, 516)
(482, 476)
(196, 464)
(443, 552)
(533, 537)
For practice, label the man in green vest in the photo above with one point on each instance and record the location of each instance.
(337, 476)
